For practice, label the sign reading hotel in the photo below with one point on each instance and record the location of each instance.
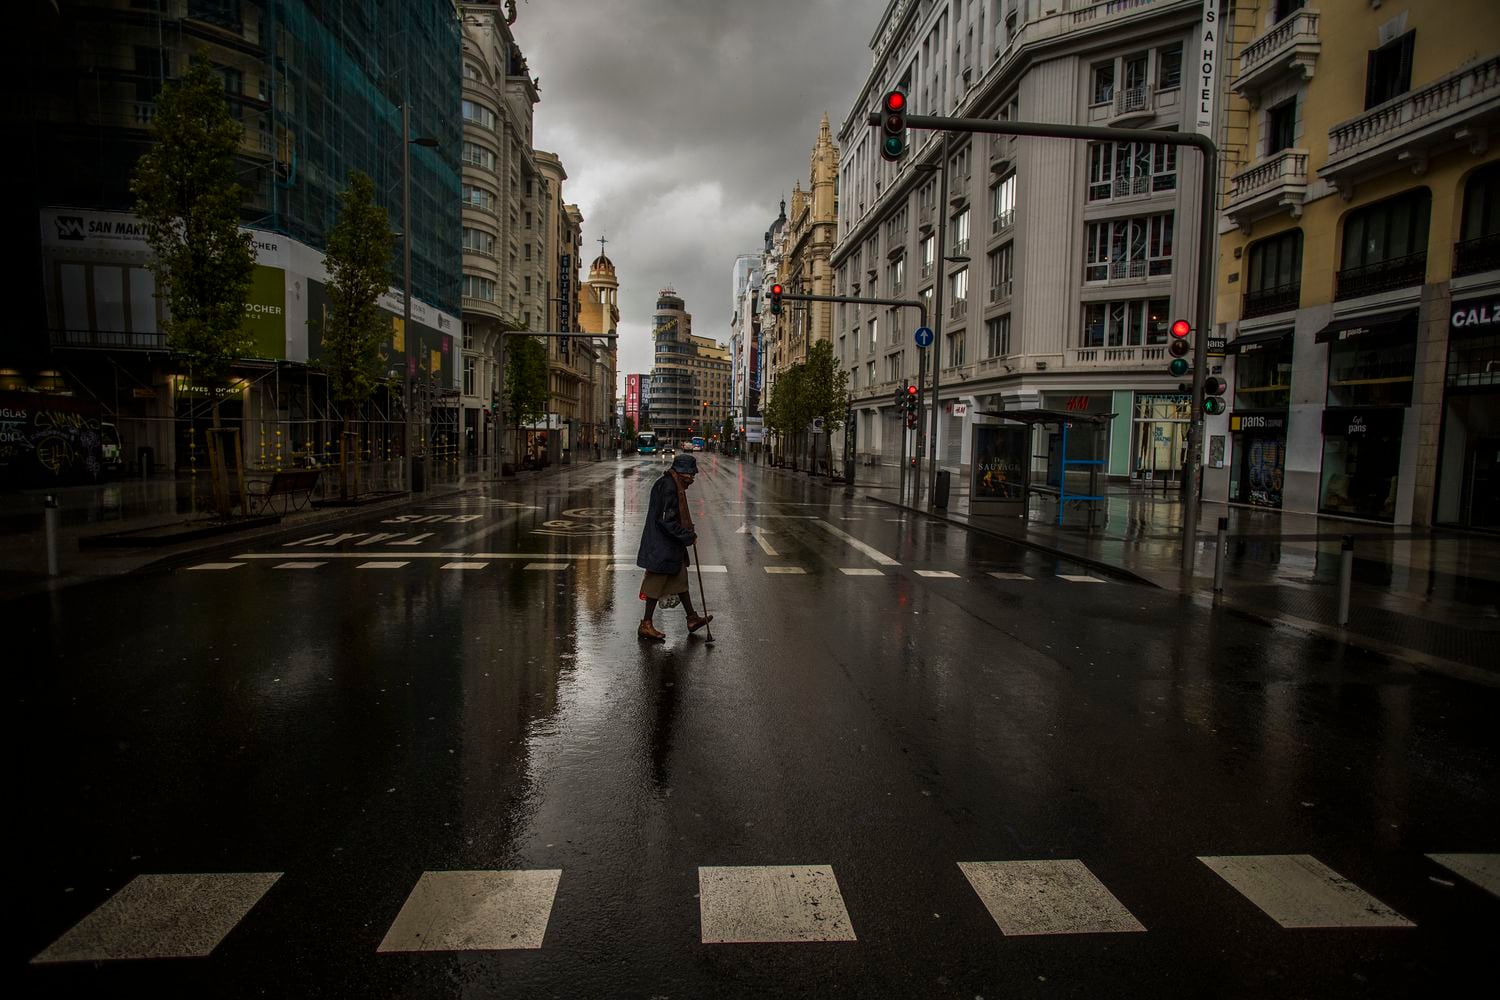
(1207, 68)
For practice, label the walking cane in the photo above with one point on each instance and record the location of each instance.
(702, 595)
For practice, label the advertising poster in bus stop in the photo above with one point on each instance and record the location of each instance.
(999, 461)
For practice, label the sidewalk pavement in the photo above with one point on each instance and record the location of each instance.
(1428, 597)
(129, 504)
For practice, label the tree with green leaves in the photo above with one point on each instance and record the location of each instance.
(354, 327)
(826, 385)
(728, 435)
(526, 392)
(629, 432)
(787, 412)
(187, 195)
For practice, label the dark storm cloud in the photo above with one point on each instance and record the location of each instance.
(682, 123)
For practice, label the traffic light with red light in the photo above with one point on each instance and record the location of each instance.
(1180, 347)
(911, 399)
(775, 300)
(1213, 395)
(893, 126)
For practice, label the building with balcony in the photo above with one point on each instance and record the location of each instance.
(90, 73)
(599, 313)
(809, 236)
(1358, 265)
(1065, 262)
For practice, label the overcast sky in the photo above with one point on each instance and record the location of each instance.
(682, 124)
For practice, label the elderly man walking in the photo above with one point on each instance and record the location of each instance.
(664, 547)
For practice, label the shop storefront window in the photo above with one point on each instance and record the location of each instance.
(1263, 376)
(1361, 458)
(1371, 371)
(1159, 435)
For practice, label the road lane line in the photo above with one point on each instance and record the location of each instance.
(383, 564)
(785, 569)
(860, 571)
(465, 565)
(759, 904)
(474, 911)
(707, 568)
(222, 565)
(1079, 578)
(1481, 869)
(299, 565)
(1299, 891)
(937, 574)
(759, 534)
(1047, 897)
(858, 545)
(546, 567)
(162, 916)
(1010, 576)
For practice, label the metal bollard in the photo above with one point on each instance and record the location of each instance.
(53, 517)
(1346, 577)
(1223, 542)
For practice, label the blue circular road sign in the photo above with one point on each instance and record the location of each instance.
(924, 336)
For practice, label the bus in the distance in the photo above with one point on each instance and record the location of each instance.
(645, 443)
(699, 444)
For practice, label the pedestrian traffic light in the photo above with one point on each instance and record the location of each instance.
(775, 300)
(911, 421)
(1213, 395)
(893, 126)
(1179, 347)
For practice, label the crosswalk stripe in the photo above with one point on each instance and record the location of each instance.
(465, 565)
(217, 565)
(714, 569)
(299, 565)
(622, 567)
(1481, 869)
(1299, 891)
(1078, 578)
(860, 571)
(383, 564)
(785, 569)
(937, 574)
(162, 916)
(546, 567)
(771, 903)
(474, 911)
(1047, 897)
(1010, 576)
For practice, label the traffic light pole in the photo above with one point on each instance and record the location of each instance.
(916, 304)
(1207, 246)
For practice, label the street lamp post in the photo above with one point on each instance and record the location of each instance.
(409, 359)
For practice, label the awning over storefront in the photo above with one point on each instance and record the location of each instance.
(1267, 338)
(1393, 325)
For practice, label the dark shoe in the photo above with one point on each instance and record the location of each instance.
(650, 631)
(694, 624)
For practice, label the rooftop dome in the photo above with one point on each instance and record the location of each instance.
(602, 263)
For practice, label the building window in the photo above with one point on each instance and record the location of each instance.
(997, 337)
(1281, 126)
(479, 114)
(476, 287)
(478, 197)
(955, 349)
(1003, 205)
(870, 374)
(479, 156)
(526, 252)
(528, 220)
(1479, 249)
(1104, 83)
(1138, 247)
(479, 241)
(468, 336)
(929, 246)
(1385, 245)
(893, 367)
(1120, 169)
(1002, 263)
(1388, 70)
(874, 334)
(961, 233)
(1275, 276)
(898, 275)
(1169, 74)
(471, 72)
(528, 283)
(1132, 323)
(468, 376)
(1263, 376)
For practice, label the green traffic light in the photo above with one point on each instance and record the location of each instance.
(894, 146)
(1213, 405)
(1179, 366)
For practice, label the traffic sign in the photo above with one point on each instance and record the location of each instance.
(924, 336)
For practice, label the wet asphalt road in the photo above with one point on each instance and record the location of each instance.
(352, 728)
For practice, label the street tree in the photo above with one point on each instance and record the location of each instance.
(827, 387)
(187, 196)
(629, 431)
(526, 392)
(787, 412)
(354, 328)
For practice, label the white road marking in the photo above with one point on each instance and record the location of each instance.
(465, 565)
(709, 568)
(381, 536)
(1481, 869)
(574, 556)
(231, 565)
(307, 540)
(383, 564)
(1010, 576)
(785, 569)
(622, 567)
(549, 567)
(1077, 578)
(162, 916)
(937, 574)
(858, 545)
(298, 565)
(759, 534)
(474, 911)
(1298, 891)
(1047, 897)
(771, 903)
(860, 571)
(415, 539)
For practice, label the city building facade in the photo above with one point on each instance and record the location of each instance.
(599, 313)
(710, 366)
(1359, 263)
(810, 235)
(1065, 262)
(673, 399)
(745, 348)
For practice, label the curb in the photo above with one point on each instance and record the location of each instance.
(1108, 569)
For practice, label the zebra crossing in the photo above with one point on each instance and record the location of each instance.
(188, 915)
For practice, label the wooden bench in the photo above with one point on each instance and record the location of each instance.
(284, 493)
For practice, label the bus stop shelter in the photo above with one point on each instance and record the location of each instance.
(1001, 480)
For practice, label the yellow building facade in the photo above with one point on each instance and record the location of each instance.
(1358, 271)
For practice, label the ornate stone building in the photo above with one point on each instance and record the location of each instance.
(810, 235)
(599, 312)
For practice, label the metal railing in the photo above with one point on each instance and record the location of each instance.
(1301, 24)
(109, 340)
(1265, 301)
(1000, 223)
(1418, 107)
(1479, 254)
(1132, 100)
(1381, 276)
(1002, 291)
(958, 309)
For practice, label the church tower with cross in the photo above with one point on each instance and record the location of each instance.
(599, 312)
